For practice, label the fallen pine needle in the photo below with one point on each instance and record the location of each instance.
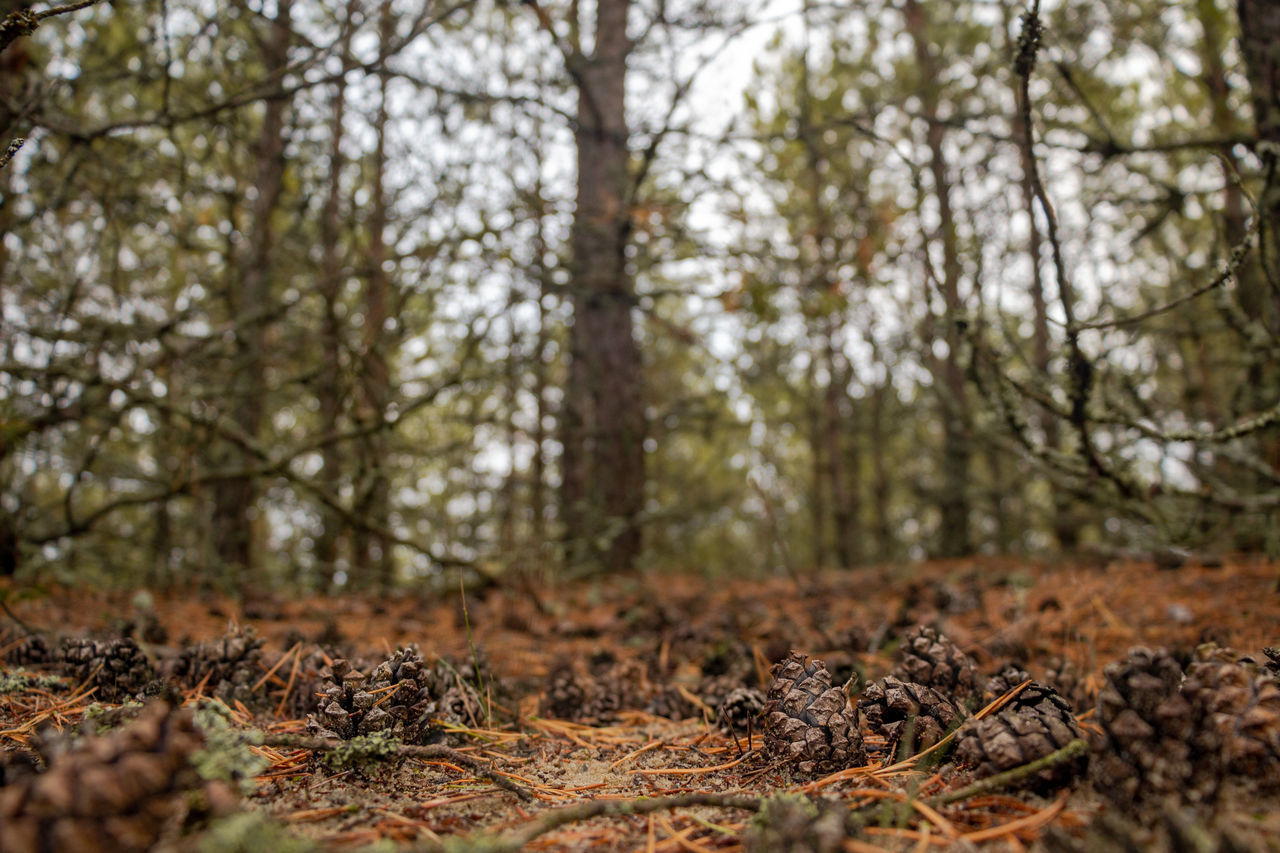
(1022, 824)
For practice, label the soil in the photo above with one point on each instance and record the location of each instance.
(621, 777)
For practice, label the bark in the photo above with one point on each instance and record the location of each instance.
(603, 422)
(1260, 43)
(234, 497)
(330, 396)
(371, 555)
(954, 537)
(1260, 295)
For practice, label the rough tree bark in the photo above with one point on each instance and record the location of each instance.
(954, 537)
(602, 420)
(235, 496)
(371, 562)
(329, 392)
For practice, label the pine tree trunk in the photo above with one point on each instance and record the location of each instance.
(372, 565)
(234, 497)
(329, 392)
(602, 421)
(954, 537)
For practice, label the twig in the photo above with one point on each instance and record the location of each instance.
(1011, 777)
(409, 750)
(23, 22)
(14, 145)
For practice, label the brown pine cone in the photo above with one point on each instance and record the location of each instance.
(1009, 677)
(739, 711)
(110, 793)
(1238, 710)
(807, 721)
(896, 708)
(1034, 724)
(1147, 725)
(565, 696)
(227, 667)
(393, 698)
(931, 659)
(117, 668)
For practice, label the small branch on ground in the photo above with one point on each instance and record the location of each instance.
(1013, 776)
(409, 750)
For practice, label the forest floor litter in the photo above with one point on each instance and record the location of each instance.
(988, 704)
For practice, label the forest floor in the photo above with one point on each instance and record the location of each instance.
(567, 748)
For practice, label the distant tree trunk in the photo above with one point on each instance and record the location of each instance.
(371, 554)
(841, 459)
(1260, 43)
(1260, 294)
(954, 537)
(603, 420)
(820, 540)
(329, 393)
(234, 497)
(880, 474)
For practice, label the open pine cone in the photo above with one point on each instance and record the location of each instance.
(1147, 725)
(393, 698)
(117, 668)
(1034, 724)
(808, 721)
(931, 659)
(896, 708)
(111, 793)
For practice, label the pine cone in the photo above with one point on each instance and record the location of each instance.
(1145, 749)
(793, 823)
(893, 707)
(929, 658)
(1009, 677)
(227, 667)
(739, 712)
(117, 668)
(1272, 662)
(356, 705)
(565, 695)
(31, 650)
(111, 793)
(1065, 677)
(1238, 710)
(672, 704)
(808, 721)
(1034, 724)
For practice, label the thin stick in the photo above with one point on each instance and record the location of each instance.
(1011, 777)
(409, 750)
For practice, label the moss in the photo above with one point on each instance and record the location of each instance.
(228, 753)
(20, 681)
(247, 832)
(365, 749)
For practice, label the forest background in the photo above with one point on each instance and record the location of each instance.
(301, 294)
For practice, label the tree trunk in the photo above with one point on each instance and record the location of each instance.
(330, 396)
(235, 496)
(603, 423)
(371, 555)
(1260, 294)
(954, 537)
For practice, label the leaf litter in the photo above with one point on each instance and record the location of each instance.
(1124, 707)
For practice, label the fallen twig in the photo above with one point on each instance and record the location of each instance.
(1013, 776)
(409, 750)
